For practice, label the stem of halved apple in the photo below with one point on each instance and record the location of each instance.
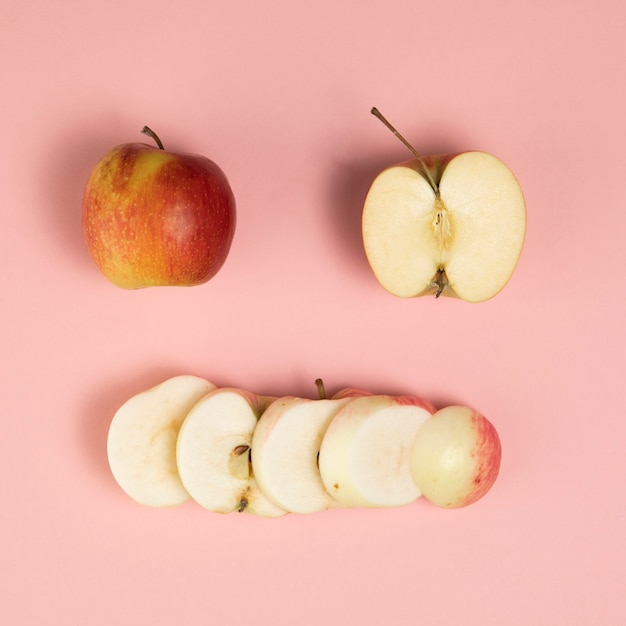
(431, 181)
(148, 131)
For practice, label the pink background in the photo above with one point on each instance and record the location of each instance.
(278, 93)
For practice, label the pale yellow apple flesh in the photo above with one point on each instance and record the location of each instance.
(141, 443)
(364, 456)
(213, 451)
(463, 239)
(285, 448)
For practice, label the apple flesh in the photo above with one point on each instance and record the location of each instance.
(455, 458)
(152, 217)
(450, 225)
(364, 455)
(213, 452)
(285, 449)
(141, 442)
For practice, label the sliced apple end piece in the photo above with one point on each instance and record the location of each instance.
(455, 458)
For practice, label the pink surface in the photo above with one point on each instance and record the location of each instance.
(278, 93)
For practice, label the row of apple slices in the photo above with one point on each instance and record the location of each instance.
(232, 450)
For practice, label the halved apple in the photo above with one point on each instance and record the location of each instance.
(451, 225)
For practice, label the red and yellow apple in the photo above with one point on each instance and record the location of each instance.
(152, 217)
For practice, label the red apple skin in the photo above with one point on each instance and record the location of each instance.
(153, 218)
(351, 392)
(487, 455)
(355, 392)
(416, 401)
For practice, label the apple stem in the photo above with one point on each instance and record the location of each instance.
(148, 131)
(431, 181)
(320, 388)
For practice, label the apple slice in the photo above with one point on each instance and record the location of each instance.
(450, 225)
(141, 443)
(213, 453)
(285, 447)
(455, 457)
(365, 453)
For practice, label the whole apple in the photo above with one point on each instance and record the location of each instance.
(153, 218)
